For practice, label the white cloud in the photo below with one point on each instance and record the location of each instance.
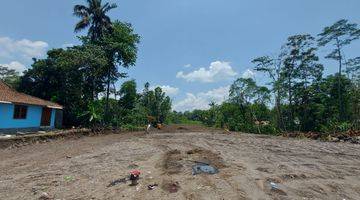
(217, 71)
(19, 67)
(191, 102)
(248, 74)
(187, 65)
(26, 49)
(171, 91)
(203, 99)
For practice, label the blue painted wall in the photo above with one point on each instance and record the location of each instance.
(32, 120)
(52, 122)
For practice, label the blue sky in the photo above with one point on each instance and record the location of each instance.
(194, 49)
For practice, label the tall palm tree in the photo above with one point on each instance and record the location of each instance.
(94, 15)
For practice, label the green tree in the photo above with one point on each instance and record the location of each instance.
(300, 69)
(9, 76)
(272, 67)
(156, 103)
(327, 96)
(121, 48)
(127, 104)
(243, 91)
(128, 95)
(68, 77)
(353, 72)
(340, 34)
(94, 115)
(353, 69)
(94, 15)
(262, 95)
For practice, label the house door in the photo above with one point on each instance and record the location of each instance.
(45, 117)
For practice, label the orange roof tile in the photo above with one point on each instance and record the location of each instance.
(7, 94)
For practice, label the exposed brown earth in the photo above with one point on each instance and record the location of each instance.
(83, 168)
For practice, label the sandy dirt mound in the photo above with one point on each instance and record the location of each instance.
(250, 167)
(182, 128)
(175, 161)
(171, 163)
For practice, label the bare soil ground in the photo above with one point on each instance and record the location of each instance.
(82, 168)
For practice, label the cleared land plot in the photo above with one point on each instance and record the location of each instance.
(83, 168)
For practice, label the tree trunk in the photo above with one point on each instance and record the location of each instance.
(279, 120)
(290, 104)
(93, 92)
(107, 95)
(115, 95)
(256, 120)
(341, 106)
(290, 94)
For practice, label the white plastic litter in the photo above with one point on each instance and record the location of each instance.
(148, 128)
(274, 186)
(6, 136)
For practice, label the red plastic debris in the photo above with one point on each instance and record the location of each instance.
(135, 172)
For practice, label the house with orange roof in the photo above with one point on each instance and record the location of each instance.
(19, 111)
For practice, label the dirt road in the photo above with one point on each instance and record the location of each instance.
(83, 168)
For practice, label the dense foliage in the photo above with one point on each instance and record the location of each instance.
(79, 76)
(299, 97)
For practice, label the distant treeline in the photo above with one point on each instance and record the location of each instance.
(299, 97)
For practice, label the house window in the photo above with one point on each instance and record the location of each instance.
(20, 112)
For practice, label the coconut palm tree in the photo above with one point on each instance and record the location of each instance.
(93, 15)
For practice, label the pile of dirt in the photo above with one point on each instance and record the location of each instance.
(181, 128)
(351, 136)
(310, 135)
(175, 161)
(207, 157)
(170, 186)
(172, 162)
(23, 140)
